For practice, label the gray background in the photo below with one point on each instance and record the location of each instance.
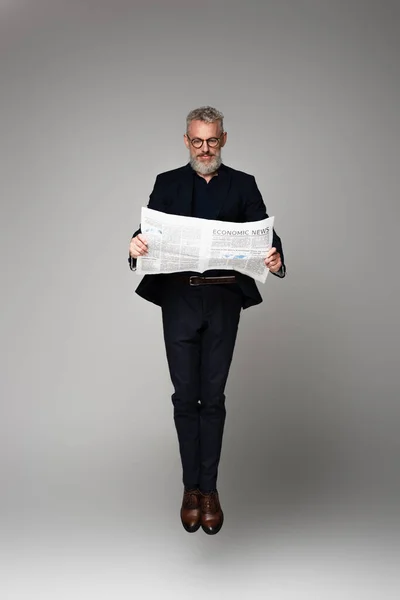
(93, 102)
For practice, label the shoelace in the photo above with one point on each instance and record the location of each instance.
(191, 500)
(209, 503)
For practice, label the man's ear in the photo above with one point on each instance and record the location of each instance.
(224, 138)
(186, 141)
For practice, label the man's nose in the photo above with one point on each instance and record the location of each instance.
(205, 146)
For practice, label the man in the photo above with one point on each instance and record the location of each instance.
(201, 312)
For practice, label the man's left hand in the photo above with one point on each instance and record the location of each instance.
(273, 261)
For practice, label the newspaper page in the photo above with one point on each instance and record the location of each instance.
(177, 244)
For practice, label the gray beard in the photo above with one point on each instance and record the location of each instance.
(206, 169)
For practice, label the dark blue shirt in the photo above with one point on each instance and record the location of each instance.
(204, 196)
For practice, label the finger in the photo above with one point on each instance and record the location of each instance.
(135, 251)
(141, 237)
(273, 264)
(275, 256)
(274, 268)
(271, 252)
(139, 246)
(270, 261)
(141, 252)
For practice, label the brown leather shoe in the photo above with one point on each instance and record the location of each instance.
(190, 510)
(212, 516)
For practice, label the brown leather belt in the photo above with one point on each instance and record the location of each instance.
(195, 280)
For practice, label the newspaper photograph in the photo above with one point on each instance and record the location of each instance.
(177, 244)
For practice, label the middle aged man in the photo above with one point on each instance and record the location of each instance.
(201, 312)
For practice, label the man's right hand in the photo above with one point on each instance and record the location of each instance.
(138, 246)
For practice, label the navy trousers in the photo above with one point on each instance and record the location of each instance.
(200, 326)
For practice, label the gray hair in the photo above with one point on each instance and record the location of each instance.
(208, 114)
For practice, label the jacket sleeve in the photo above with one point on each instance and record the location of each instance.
(152, 203)
(255, 210)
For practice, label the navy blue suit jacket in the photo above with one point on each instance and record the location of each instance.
(239, 201)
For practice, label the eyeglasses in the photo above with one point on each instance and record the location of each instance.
(213, 142)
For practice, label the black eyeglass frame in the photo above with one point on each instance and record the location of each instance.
(208, 141)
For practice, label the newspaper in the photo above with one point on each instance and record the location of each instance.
(177, 244)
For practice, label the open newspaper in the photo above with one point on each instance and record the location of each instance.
(177, 244)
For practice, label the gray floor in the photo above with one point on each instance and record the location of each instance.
(298, 551)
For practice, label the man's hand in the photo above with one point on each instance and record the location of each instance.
(138, 246)
(273, 261)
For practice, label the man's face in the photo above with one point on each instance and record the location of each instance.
(206, 159)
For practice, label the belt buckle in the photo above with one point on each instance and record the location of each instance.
(192, 279)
